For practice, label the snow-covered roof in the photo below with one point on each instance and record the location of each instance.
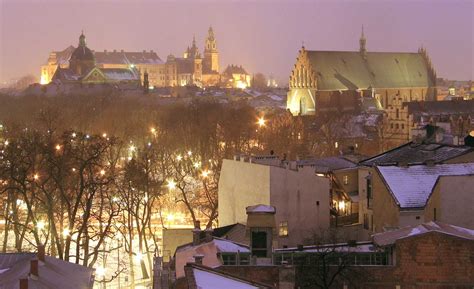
(390, 237)
(227, 246)
(211, 280)
(411, 186)
(204, 277)
(261, 209)
(359, 247)
(221, 245)
(325, 165)
(119, 74)
(53, 273)
(418, 153)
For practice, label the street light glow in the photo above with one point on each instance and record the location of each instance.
(139, 256)
(100, 271)
(261, 121)
(102, 172)
(58, 147)
(205, 173)
(171, 185)
(40, 225)
(35, 177)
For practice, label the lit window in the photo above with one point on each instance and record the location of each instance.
(283, 229)
(346, 180)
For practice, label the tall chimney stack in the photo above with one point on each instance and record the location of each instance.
(41, 252)
(197, 233)
(24, 283)
(34, 267)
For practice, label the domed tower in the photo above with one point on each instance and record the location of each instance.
(82, 59)
(211, 55)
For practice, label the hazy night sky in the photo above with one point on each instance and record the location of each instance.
(261, 35)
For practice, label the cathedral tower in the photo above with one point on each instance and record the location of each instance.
(211, 55)
(82, 59)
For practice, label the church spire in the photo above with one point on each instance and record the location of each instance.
(362, 43)
(82, 39)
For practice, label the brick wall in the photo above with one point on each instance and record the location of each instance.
(429, 261)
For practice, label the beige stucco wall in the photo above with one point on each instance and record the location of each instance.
(411, 218)
(172, 238)
(466, 158)
(385, 210)
(295, 195)
(453, 198)
(241, 184)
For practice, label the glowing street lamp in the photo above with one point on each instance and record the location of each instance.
(261, 121)
(74, 134)
(179, 158)
(132, 148)
(104, 135)
(153, 130)
(190, 153)
(205, 173)
(138, 256)
(58, 147)
(100, 271)
(102, 172)
(36, 177)
(171, 185)
(40, 225)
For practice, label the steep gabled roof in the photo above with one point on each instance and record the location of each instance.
(411, 186)
(349, 70)
(53, 273)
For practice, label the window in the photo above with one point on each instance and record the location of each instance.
(397, 112)
(259, 243)
(229, 259)
(345, 180)
(369, 192)
(283, 229)
(403, 126)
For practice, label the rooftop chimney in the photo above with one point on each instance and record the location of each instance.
(208, 237)
(198, 259)
(24, 283)
(41, 253)
(34, 267)
(197, 233)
